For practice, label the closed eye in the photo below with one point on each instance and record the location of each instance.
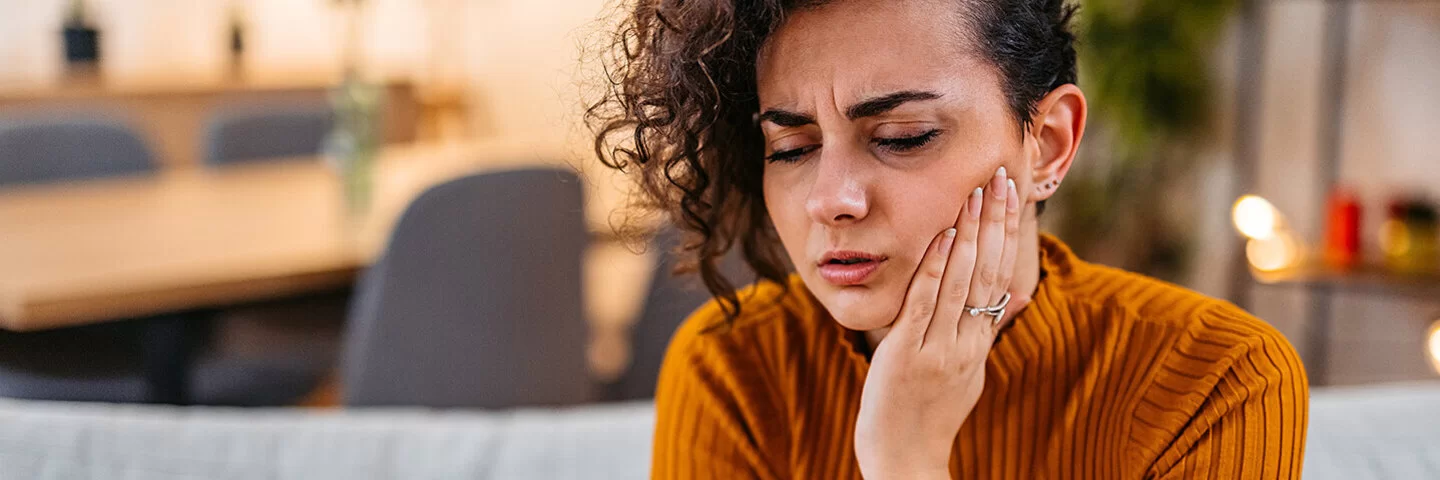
(895, 144)
(905, 144)
(789, 156)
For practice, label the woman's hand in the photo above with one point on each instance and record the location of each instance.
(927, 374)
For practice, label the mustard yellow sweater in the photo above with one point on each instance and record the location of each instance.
(1105, 375)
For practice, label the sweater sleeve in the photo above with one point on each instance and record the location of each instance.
(1253, 421)
(711, 419)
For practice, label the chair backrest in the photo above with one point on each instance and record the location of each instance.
(267, 133)
(476, 301)
(669, 301)
(37, 150)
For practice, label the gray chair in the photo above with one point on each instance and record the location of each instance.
(267, 133)
(269, 376)
(98, 363)
(107, 362)
(37, 150)
(669, 301)
(270, 353)
(476, 301)
(268, 365)
(94, 363)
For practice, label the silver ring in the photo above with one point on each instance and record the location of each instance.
(997, 312)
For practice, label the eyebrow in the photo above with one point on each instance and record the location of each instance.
(867, 108)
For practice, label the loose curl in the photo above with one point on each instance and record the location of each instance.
(679, 105)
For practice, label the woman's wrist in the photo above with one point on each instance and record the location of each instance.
(914, 473)
(927, 463)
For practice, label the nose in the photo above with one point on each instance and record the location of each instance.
(838, 194)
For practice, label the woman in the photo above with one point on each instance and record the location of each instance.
(897, 154)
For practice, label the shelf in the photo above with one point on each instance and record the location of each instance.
(1373, 278)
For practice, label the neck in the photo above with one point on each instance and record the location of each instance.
(1023, 283)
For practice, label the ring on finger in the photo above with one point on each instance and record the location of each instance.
(997, 311)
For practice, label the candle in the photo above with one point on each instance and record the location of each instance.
(1342, 229)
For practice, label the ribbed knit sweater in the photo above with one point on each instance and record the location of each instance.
(1105, 374)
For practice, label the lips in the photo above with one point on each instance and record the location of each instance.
(846, 268)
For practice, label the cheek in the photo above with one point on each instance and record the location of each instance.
(785, 203)
(925, 205)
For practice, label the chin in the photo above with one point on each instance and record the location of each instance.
(861, 308)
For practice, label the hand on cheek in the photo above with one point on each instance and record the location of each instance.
(927, 375)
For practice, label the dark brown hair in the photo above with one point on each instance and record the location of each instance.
(678, 109)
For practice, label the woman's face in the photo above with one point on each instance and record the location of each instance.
(878, 123)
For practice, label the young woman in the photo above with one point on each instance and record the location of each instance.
(881, 165)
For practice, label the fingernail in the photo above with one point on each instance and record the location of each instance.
(1012, 199)
(997, 186)
(948, 241)
(974, 206)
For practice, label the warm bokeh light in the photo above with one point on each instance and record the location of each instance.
(1255, 217)
(1394, 238)
(1432, 345)
(1276, 252)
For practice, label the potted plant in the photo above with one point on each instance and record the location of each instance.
(354, 140)
(1145, 70)
(82, 40)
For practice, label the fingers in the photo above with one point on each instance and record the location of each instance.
(921, 298)
(955, 286)
(985, 283)
(1007, 260)
(970, 264)
(1012, 243)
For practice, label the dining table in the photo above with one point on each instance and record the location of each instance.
(177, 242)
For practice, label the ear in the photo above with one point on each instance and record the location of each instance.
(1055, 132)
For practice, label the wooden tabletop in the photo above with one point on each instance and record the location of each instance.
(85, 252)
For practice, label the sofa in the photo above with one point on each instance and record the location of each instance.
(1374, 432)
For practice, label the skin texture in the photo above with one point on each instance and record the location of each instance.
(842, 181)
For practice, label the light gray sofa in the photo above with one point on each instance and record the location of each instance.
(97, 441)
(1379, 432)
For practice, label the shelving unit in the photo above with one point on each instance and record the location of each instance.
(1373, 279)
(1321, 282)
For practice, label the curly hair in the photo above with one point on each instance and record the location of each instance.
(680, 101)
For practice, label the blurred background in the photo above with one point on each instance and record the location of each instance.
(332, 203)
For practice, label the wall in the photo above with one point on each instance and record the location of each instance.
(29, 42)
(180, 41)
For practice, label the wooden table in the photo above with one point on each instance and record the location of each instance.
(174, 246)
(86, 252)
